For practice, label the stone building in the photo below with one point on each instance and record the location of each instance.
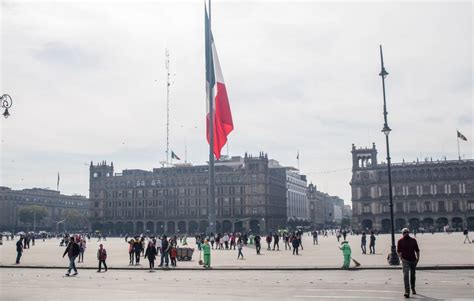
(249, 196)
(325, 211)
(296, 192)
(56, 203)
(428, 194)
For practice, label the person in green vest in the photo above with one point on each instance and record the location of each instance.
(346, 252)
(206, 249)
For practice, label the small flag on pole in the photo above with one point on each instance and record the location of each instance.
(57, 185)
(174, 156)
(461, 136)
(297, 155)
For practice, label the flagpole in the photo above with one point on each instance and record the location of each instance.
(212, 204)
(457, 138)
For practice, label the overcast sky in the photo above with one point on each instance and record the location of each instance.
(88, 81)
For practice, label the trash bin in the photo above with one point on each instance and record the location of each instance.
(184, 254)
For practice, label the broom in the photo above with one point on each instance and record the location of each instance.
(355, 262)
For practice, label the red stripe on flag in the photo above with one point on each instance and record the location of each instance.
(223, 123)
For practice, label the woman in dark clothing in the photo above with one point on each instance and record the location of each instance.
(150, 253)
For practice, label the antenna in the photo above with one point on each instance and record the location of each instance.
(167, 61)
(185, 150)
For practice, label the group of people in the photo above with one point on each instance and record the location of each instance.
(163, 246)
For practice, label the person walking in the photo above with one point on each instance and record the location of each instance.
(137, 249)
(258, 246)
(269, 241)
(466, 235)
(295, 242)
(151, 253)
(173, 255)
(372, 242)
(82, 248)
(19, 250)
(363, 243)
(276, 239)
(206, 249)
(101, 256)
(346, 253)
(409, 253)
(165, 248)
(72, 251)
(240, 245)
(130, 252)
(315, 237)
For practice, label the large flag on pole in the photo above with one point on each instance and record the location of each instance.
(222, 118)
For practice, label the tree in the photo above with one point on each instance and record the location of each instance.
(74, 219)
(28, 214)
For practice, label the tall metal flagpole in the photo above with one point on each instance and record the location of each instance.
(457, 138)
(212, 198)
(167, 54)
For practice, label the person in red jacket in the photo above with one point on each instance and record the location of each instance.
(101, 256)
(409, 253)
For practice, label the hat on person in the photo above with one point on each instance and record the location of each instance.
(405, 230)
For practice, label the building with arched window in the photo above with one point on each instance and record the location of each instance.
(249, 196)
(426, 194)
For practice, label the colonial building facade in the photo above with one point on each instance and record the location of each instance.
(428, 194)
(249, 196)
(324, 210)
(56, 203)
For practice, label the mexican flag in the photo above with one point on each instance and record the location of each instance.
(222, 116)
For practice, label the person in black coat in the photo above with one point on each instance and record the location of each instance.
(72, 252)
(295, 242)
(151, 253)
(19, 250)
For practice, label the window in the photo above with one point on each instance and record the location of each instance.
(441, 206)
(470, 205)
(399, 207)
(385, 208)
(366, 209)
(455, 206)
(413, 207)
(427, 207)
(95, 175)
(447, 188)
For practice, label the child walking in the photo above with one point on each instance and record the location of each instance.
(173, 255)
(101, 256)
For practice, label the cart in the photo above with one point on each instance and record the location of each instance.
(184, 254)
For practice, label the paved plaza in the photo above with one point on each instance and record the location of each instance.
(436, 250)
(51, 284)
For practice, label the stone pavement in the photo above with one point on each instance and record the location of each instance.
(436, 250)
(49, 285)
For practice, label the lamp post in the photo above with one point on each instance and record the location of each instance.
(393, 258)
(6, 102)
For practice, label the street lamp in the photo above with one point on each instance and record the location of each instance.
(6, 102)
(393, 258)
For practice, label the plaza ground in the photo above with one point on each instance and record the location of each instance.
(51, 284)
(436, 250)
